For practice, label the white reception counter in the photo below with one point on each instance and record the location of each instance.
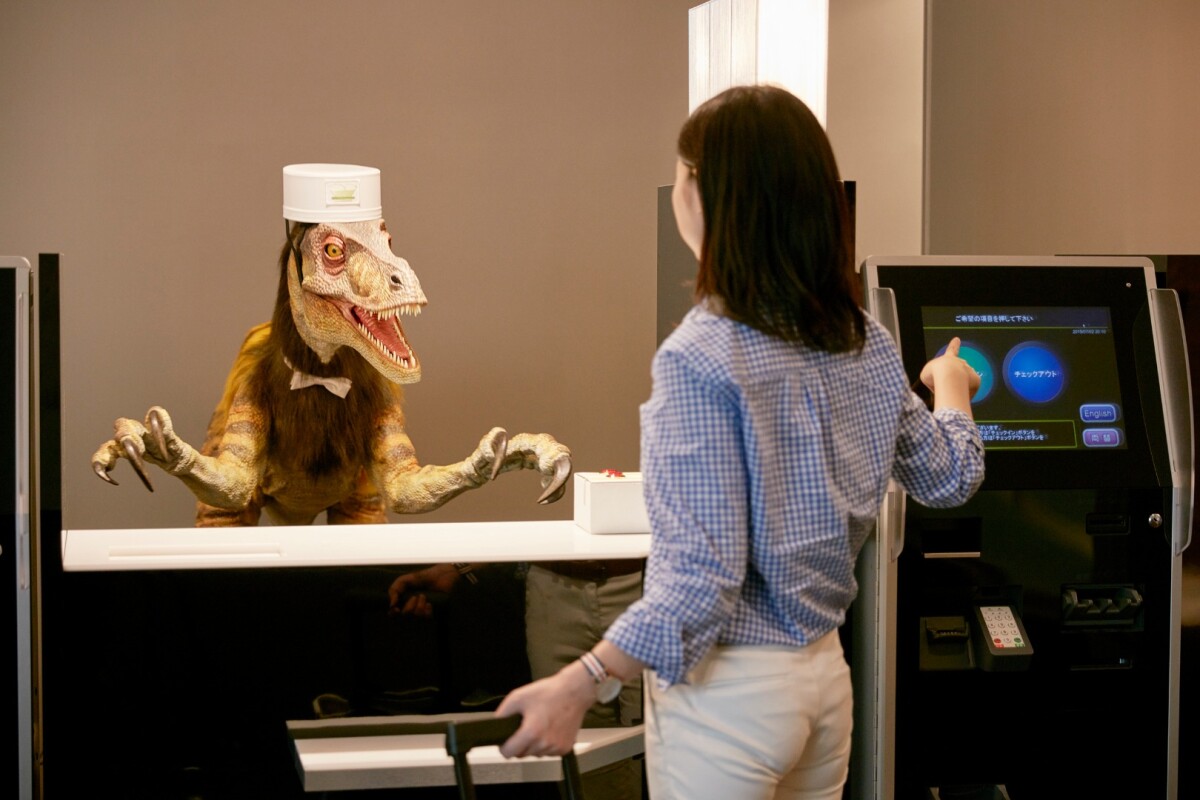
(341, 545)
(326, 758)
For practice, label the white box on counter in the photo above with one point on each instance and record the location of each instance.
(610, 502)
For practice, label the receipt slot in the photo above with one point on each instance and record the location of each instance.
(1026, 644)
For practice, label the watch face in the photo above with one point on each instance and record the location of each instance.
(607, 690)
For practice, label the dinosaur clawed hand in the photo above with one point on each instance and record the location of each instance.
(499, 438)
(539, 451)
(135, 441)
(556, 483)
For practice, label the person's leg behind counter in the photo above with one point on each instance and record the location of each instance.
(568, 606)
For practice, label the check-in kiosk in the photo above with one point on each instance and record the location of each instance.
(1026, 644)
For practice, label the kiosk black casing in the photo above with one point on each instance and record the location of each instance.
(1077, 532)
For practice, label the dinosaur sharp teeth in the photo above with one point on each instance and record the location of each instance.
(387, 351)
(365, 331)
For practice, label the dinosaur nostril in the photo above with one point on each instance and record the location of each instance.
(397, 281)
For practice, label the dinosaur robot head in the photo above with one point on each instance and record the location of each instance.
(345, 285)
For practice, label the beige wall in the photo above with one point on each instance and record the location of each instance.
(876, 117)
(1019, 126)
(521, 146)
(1064, 126)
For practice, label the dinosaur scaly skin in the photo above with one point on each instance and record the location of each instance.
(297, 452)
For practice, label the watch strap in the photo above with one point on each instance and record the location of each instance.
(594, 666)
(608, 686)
(467, 571)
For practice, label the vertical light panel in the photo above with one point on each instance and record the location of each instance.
(782, 42)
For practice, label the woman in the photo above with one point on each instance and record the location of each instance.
(778, 413)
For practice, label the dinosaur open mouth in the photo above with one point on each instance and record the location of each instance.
(382, 329)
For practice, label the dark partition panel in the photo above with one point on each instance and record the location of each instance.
(15, 501)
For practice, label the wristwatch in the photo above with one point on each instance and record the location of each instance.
(467, 571)
(607, 686)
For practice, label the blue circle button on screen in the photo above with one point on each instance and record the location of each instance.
(982, 366)
(1034, 373)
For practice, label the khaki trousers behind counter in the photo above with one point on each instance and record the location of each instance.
(566, 615)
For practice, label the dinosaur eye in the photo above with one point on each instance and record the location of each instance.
(333, 254)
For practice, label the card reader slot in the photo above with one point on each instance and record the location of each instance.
(1105, 524)
(960, 537)
(946, 629)
(945, 644)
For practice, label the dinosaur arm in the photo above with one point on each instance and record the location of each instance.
(227, 480)
(410, 488)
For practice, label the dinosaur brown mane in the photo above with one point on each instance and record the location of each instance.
(296, 415)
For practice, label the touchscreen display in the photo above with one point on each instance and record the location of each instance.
(1048, 374)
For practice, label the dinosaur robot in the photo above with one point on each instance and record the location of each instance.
(311, 416)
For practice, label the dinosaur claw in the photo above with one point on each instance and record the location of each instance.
(139, 467)
(102, 473)
(558, 484)
(499, 449)
(156, 430)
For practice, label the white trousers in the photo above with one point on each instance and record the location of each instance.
(753, 723)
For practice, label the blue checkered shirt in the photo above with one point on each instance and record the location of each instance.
(764, 466)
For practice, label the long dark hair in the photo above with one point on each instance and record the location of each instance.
(777, 248)
(296, 418)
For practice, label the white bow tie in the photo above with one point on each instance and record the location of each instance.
(301, 380)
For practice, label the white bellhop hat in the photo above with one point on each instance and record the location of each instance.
(331, 193)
